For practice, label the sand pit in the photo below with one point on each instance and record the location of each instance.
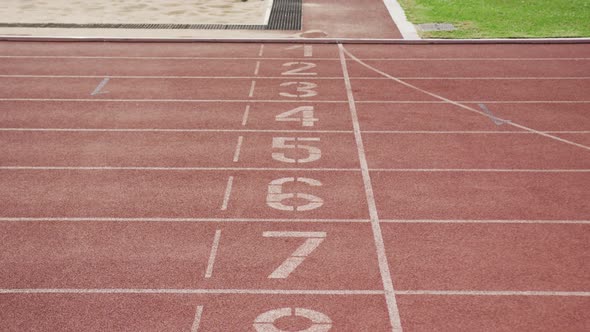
(251, 12)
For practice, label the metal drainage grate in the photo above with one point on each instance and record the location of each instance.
(436, 27)
(284, 15)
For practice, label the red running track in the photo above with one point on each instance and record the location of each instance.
(249, 187)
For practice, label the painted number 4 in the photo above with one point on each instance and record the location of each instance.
(301, 114)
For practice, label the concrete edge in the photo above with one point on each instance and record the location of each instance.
(298, 40)
(397, 13)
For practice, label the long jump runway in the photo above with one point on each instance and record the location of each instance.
(285, 187)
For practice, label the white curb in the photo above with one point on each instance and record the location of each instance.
(398, 15)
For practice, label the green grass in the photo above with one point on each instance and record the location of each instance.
(502, 18)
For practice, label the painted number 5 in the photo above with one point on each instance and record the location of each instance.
(276, 198)
(313, 153)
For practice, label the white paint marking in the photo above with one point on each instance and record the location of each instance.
(307, 121)
(307, 51)
(279, 292)
(185, 291)
(497, 121)
(252, 87)
(294, 234)
(261, 51)
(470, 132)
(459, 104)
(238, 149)
(246, 114)
(282, 58)
(135, 168)
(213, 253)
(378, 78)
(257, 69)
(189, 100)
(313, 241)
(281, 101)
(473, 102)
(178, 130)
(265, 322)
(227, 193)
(197, 320)
(100, 86)
(493, 293)
(392, 308)
(483, 221)
(491, 170)
(398, 15)
(103, 219)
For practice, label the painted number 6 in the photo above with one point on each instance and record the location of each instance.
(276, 198)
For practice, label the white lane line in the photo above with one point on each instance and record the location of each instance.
(197, 320)
(434, 95)
(213, 254)
(377, 235)
(238, 149)
(377, 78)
(483, 221)
(246, 114)
(473, 59)
(179, 77)
(490, 170)
(475, 132)
(493, 293)
(136, 168)
(286, 101)
(252, 87)
(91, 219)
(180, 100)
(482, 78)
(280, 292)
(185, 291)
(227, 193)
(147, 168)
(245, 118)
(257, 69)
(261, 51)
(196, 130)
(473, 102)
(100, 86)
(178, 130)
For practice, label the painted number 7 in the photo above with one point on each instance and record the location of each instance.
(313, 241)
